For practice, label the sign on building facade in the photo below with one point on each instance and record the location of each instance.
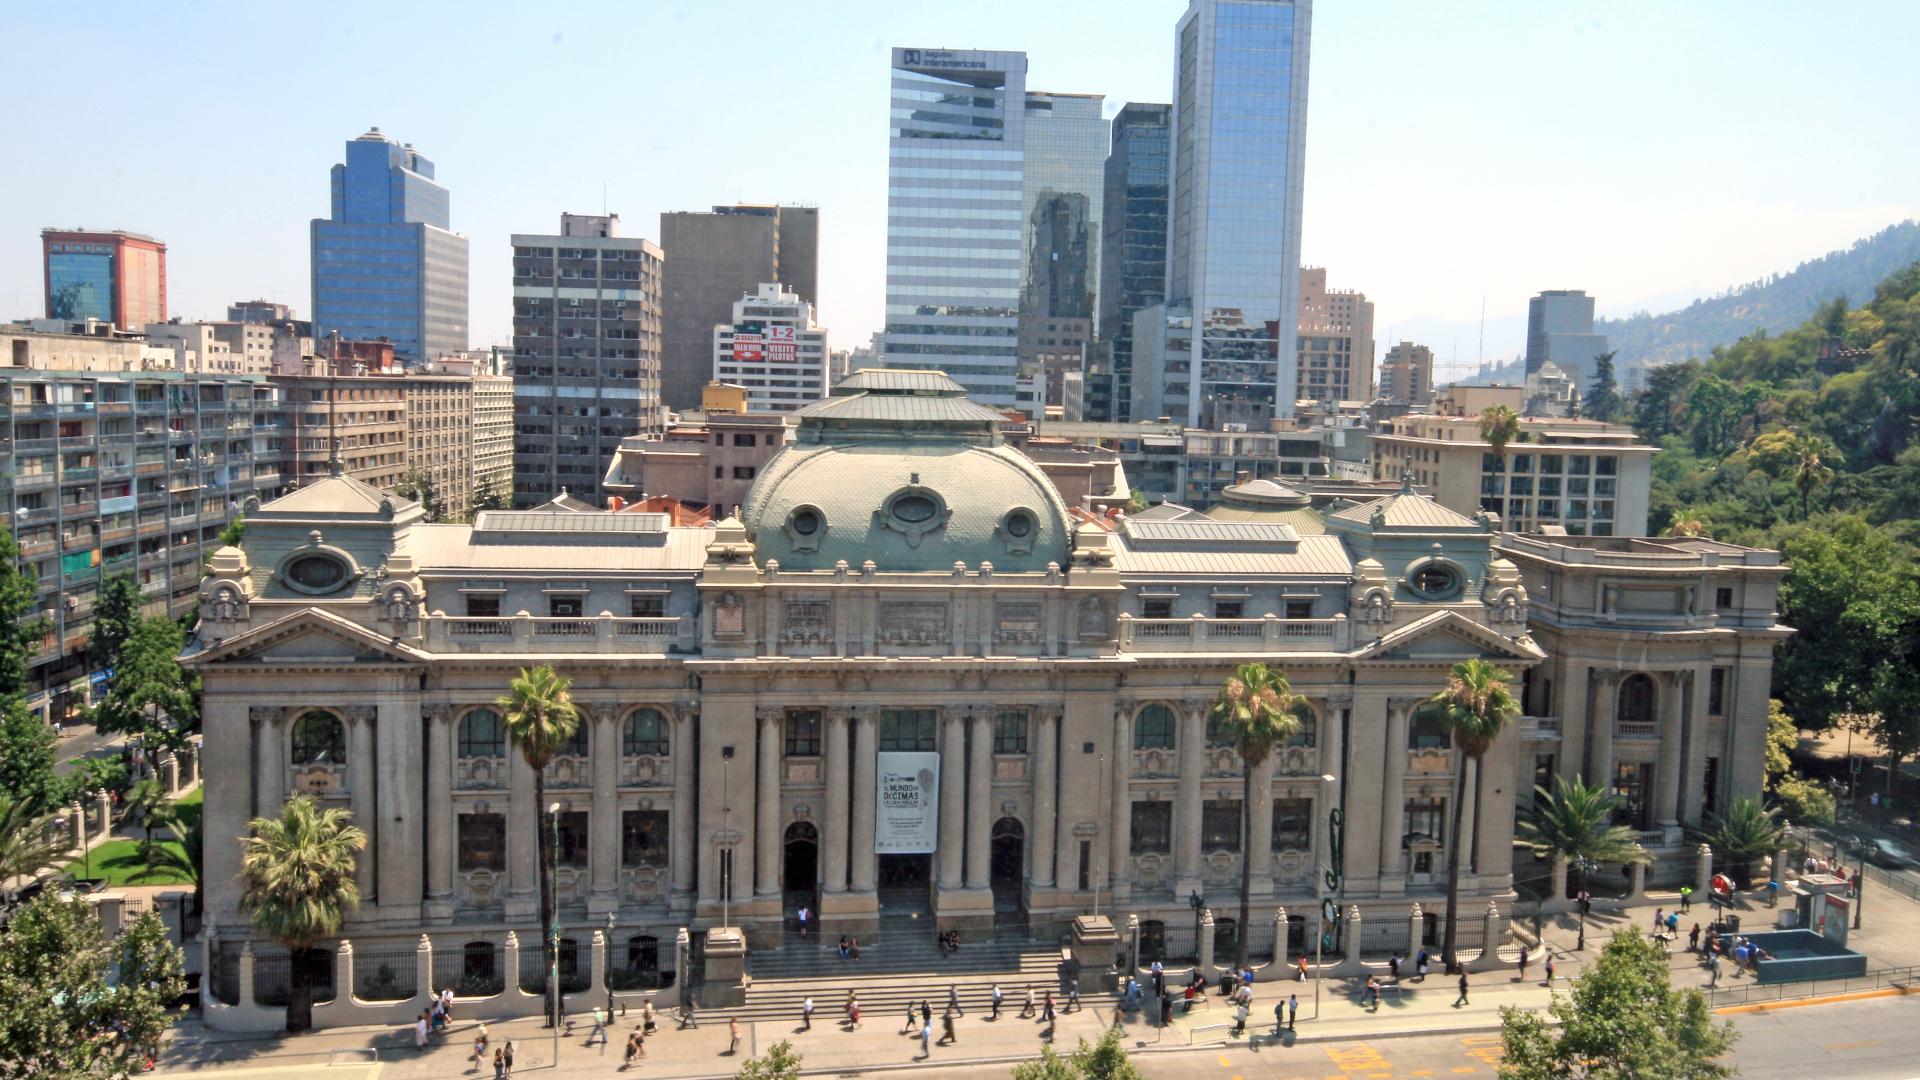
(907, 804)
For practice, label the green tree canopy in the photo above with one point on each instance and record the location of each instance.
(1746, 830)
(1623, 1020)
(25, 847)
(1603, 400)
(781, 1063)
(113, 620)
(541, 718)
(1499, 426)
(21, 631)
(1574, 822)
(1103, 1060)
(153, 697)
(27, 758)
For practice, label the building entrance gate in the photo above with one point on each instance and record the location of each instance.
(905, 885)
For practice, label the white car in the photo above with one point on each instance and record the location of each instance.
(1883, 852)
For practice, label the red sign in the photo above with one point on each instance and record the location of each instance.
(746, 346)
(782, 345)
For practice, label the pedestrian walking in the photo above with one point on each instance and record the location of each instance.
(804, 916)
(1026, 1011)
(733, 1035)
(913, 1019)
(1371, 998)
(646, 1017)
(853, 1015)
(1693, 938)
(1713, 970)
(512, 1047)
(632, 1048)
(1240, 1019)
(1293, 1009)
(953, 1000)
(946, 1029)
(1549, 966)
(420, 1031)
(600, 1019)
(499, 1065)
(926, 1039)
(687, 1017)
(480, 1048)
(926, 1012)
(1659, 919)
(1523, 964)
(1073, 996)
(1301, 967)
(1420, 965)
(1159, 980)
(806, 1014)
(1462, 999)
(997, 995)
(1166, 1010)
(1393, 965)
(1673, 923)
(1046, 1011)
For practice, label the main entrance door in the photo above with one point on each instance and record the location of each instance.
(1008, 865)
(800, 876)
(905, 887)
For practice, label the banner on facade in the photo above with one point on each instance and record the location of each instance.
(746, 347)
(782, 345)
(907, 805)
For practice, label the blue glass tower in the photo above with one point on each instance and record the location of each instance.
(386, 263)
(1133, 252)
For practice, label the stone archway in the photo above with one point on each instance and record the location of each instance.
(800, 871)
(1008, 871)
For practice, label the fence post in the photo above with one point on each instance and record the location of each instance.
(510, 957)
(343, 971)
(1133, 948)
(598, 963)
(1490, 938)
(105, 807)
(170, 771)
(243, 994)
(423, 968)
(79, 822)
(1703, 873)
(1783, 871)
(1639, 878)
(1353, 938)
(1279, 938)
(1416, 930)
(1203, 949)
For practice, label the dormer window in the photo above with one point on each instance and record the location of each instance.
(1435, 580)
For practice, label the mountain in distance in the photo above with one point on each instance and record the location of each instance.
(1772, 304)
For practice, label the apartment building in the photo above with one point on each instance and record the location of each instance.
(364, 418)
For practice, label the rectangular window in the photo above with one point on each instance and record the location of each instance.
(1086, 864)
(1723, 599)
(743, 472)
(1551, 463)
(574, 838)
(1010, 731)
(483, 607)
(1156, 607)
(1632, 790)
(1299, 609)
(1717, 692)
(803, 733)
(907, 730)
(1227, 609)
(1220, 825)
(1292, 824)
(565, 607)
(1152, 828)
(483, 842)
(1579, 465)
(743, 439)
(643, 838)
(1426, 822)
(648, 607)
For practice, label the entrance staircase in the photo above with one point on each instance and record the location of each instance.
(888, 976)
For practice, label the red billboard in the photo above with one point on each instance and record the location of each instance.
(746, 347)
(782, 345)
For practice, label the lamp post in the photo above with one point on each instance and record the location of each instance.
(1585, 866)
(1333, 876)
(726, 832)
(1196, 902)
(1859, 880)
(553, 928)
(612, 921)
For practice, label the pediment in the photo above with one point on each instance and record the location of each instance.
(310, 635)
(1450, 636)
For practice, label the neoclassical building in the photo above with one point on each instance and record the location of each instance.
(908, 686)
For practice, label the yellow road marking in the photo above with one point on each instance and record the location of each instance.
(1464, 1069)
(1852, 1045)
(1421, 1072)
(1224, 1063)
(1898, 991)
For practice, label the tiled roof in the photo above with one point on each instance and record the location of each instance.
(451, 548)
(1313, 556)
(334, 495)
(1406, 511)
(898, 379)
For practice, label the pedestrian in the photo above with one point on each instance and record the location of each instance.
(480, 1047)
(1240, 1019)
(913, 1019)
(646, 1017)
(1293, 1009)
(1393, 965)
(1420, 965)
(1673, 924)
(687, 1017)
(1713, 970)
(1371, 998)
(1166, 1010)
(1659, 919)
(1046, 1011)
(1026, 1011)
(1586, 902)
(1693, 938)
(843, 946)
(600, 1019)
(997, 995)
(926, 1012)
(1159, 980)
(733, 1035)
(853, 1015)
(926, 1039)
(953, 1000)
(420, 1031)
(1073, 996)
(853, 949)
(499, 1065)
(446, 1002)
(1686, 897)
(804, 915)
(632, 1048)
(1523, 964)
(946, 1028)
(1462, 999)
(511, 1048)
(1549, 969)
(806, 1014)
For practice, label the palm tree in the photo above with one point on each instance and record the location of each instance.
(1687, 522)
(1810, 469)
(149, 802)
(25, 849)
(1254, 712)
(1478, 702)
(1499, 425)
(1747, 831)
(541, 718)
(297, 879)
(181, 860)
(1575, 822)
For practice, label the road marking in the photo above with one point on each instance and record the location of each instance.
(1224, 1063)
(1852, 1045)
(1831, 999)
(1464, 1069)
(1421, 1072)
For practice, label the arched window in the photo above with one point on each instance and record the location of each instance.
(1427, 728)
(577, 743)
(1309, 726)
(645, 734)
(1153, 728)
(1216, 732)
(482, 734)
(1636, 700)
(319, 739)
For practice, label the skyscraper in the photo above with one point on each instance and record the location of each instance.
(1335, 341)
(713, 259)
(386, 263)
(1233, 258)
(117, 277)
(1133, 249)
(955, 193)
(1560, 329)
(1406, 375)
(586, 353)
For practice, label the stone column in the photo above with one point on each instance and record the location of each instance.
(270, 763)
(860, 858)
(1047, 726)
(523, 845)
(361, 734)
(833, 832)
(1120, 850)
(1606, 691)
(1204, 947)
(603, 824)
(1393, 794)
(1666, 772)
(1280, 939)
(1693, 780)
(1638, 876)
(1490, 937)
(1190, 746)
(1496, 778)
(1354, 923)
(979, 802)
(1260, 829)
(766, 807)
(1703, 873)
(683, 819)
(1557, 899)
(440, 833)
(953, 773)
(401, 804)
(225, 718)
(1416, 930)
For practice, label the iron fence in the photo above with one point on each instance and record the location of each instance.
(225, 980)
(273, 974)
(476, 969)
(637, 966)
(574, 974)
(1902, 978)
(386, 974)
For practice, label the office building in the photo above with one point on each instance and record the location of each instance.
(715, 258)
(1406, 375)
(772, 348)
(586, 353)
(492, 457)
(1335, 349)
(1061, 203)
(849, 696)
(360, 420)
(235, 348)
(112, 276)
(955, 199)
(1560, 330)
(1133, 248)
(1233, 260)
(386, 263)
(262, 311)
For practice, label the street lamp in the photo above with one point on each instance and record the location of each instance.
(1859, 880)
(1332, 876)
(1586, 868)
(553, 928)
(726, 834)
(612, 920)
(1196, 902)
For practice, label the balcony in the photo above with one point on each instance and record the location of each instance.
(1266, 635)
(515, 633)
(1538, 728)
(1633, 731)
(79, 475)
(32, 446)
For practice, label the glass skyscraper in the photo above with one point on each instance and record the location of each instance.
(1233, 272)
(1066, 148)
(955, 195)
(386, 263)
(1133, 250)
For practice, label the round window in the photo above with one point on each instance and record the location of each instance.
(1019, 524)
(806, 521)
(1436, 581)
(316, 573)
(915, 508)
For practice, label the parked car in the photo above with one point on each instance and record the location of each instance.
(1886, 853)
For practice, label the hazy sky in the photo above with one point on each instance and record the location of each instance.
(1455, 151)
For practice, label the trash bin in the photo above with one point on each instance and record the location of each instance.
(1732, 922)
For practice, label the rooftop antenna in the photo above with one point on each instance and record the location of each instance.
(1480, 357)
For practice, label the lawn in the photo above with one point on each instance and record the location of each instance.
(118, 861)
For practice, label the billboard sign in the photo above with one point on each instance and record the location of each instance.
(782, 345)
(907, 804)
(747, 347)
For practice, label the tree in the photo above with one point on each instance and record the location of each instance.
(1623, 1019)
(540, 717)
(1499, 426)
(1574, 822)
(1687, 522)
(488, 497)
(20, 633)
(25, 849)
(1137, 500)
(153, 698)
(781, 1063)
(183, 863)
(27, 758)
(1478, 701)
(1253, 712)
(1104, 1060)
(1603, 394)
(1747, 830)
(149, 803)
(1810, 470)
(63, 1016)
(420, 487)
(235, 531)
(297, 881)
(113, 620)
(1656, 409)
(1856, 584)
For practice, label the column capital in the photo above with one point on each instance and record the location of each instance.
(768, 713)
(265, 714)
(438, 712)
(359, 714)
